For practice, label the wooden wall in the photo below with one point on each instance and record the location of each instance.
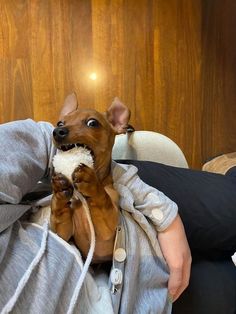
(173, 62)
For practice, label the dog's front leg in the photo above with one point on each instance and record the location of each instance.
(61, 212)
(103, 212)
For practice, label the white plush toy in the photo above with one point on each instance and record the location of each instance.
(66, 162)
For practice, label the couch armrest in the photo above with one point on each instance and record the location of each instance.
(151, 146)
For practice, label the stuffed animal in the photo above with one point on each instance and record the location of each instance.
(65, 162)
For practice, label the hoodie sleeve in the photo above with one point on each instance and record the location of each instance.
(154, 204)
(25, 152)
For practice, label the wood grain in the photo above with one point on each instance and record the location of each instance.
(219, 77)
(173, 62)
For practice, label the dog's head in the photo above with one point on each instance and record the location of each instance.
(88, 127)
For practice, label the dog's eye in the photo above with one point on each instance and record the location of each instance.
(60, 123)
(92, 123)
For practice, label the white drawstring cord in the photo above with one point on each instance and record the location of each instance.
(11, 303)
(75, 295)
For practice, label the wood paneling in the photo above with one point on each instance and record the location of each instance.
(177, 74)
(218, 77)
(173, 62)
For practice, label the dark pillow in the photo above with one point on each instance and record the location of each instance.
(206, 201)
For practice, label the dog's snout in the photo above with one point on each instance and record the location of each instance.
(60, 133)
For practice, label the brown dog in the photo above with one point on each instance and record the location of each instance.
(97, 131)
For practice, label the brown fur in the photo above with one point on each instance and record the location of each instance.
(68, 218)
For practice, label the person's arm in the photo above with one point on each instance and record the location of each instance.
(153, 204)
(176, 251)
(25, 152)
(171, 234)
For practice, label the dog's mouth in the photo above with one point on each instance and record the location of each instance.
(67, 147)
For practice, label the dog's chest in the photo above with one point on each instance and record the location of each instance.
(79, 217)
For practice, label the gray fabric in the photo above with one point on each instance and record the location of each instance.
(10, 213)
(39, 271)
(50, 287)
(24, 153)
(145, 273)
(26, 149)
(139, 198)
(145, 267)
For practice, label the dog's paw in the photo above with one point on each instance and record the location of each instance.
(86, 182)
(62, 188)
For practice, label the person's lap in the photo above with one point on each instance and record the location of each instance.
(40, 271)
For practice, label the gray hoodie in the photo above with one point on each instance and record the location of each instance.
(39, 271)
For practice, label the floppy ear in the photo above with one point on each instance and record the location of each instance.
(70, 104)
(118, 115)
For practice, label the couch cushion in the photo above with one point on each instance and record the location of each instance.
(148, 145)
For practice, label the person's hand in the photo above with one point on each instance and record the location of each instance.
(175, 248)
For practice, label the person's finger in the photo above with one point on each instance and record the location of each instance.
(185, 279)
(175, 281)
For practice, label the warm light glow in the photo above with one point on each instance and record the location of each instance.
(93, 76)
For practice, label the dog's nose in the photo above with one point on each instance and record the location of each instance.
(60, 133)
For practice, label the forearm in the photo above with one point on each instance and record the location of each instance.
(176, 251)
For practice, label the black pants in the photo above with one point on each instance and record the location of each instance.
(211, 290)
